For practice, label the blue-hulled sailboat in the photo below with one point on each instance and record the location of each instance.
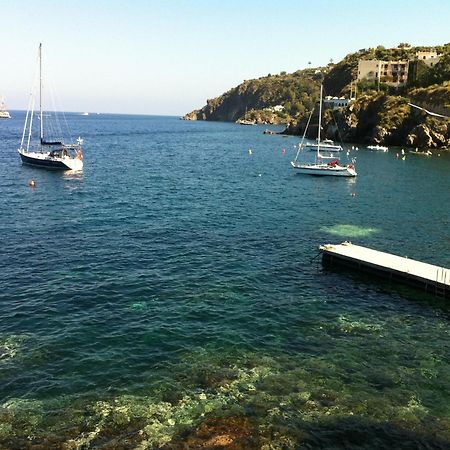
(49, 154)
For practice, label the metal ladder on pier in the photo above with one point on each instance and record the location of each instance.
(442, 279)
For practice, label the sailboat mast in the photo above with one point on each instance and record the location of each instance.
(40, 95)
(320, 120)
(300, 145)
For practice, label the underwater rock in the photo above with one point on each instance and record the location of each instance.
(349, 231)
(231, 432)
(138, 306)
(347, 325)
(9, 346)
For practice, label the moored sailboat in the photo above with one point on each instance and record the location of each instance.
(320, 167)
(49, 154)
(326, 144)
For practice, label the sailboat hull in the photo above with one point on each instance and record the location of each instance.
(45, 161)
(325, 170)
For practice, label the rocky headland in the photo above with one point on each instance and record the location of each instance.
(380, 114)
(272, 99)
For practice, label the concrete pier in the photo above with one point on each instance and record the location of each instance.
(433, 279)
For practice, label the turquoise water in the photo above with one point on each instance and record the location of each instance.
(171, 296)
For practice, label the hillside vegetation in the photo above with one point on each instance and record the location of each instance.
(380, 114)
(253, 99)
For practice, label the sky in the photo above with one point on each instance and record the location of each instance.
(168, 57)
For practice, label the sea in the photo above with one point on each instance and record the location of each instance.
(172, 296)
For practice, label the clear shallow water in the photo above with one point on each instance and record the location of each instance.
(171, 295)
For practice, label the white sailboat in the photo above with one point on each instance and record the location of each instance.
(245, 121)
(321, 167)
(47, 154)
(326, 144)
(3, 113)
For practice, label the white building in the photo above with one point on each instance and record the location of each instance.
(276, 108)
(430, 58)
(335, 102)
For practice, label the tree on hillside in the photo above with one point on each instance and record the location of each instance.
(441, 70)
(419, 74)
(381, 53)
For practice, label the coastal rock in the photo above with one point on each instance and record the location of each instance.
(351, 120)
(422, 136)
(380, 135)
(191, 116)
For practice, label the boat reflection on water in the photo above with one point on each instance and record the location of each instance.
(73, 175)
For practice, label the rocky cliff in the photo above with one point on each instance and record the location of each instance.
(379, 118)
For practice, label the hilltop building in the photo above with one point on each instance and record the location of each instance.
(430, 58)
(394, 73)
